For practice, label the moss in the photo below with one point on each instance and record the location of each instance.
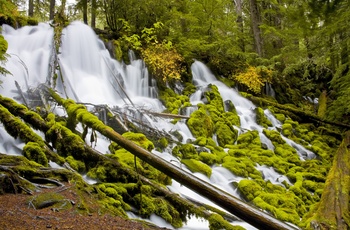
(208, 158)
(243, 167)
(284, 214)
(197, 166)
(77, 165)
(187, 151)
(204, 141)
(200, 123)
(287, 130)
(173, 102)
(217, 222)
(225, 134)
(162, 143)
(214, 98)
(34, 152)
(231, 118)
(249, 188)
(280, 116)
(274, 136)
(50, 199)
(249, 139)
(261, 119)
(139, 139)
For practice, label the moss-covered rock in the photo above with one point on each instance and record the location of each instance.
(261, 119)
(200, 123)
(34, 152)
(225, 134)
(197, 166)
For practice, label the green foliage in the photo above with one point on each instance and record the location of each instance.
(3, 48)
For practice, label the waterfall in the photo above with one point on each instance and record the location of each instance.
(89, 75)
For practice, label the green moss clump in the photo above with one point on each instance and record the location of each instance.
(34, 152)
(64, 140)
(261, 119)
(249, 139)
(225, 134)
(197, 166)
(139, 139)
(200, 123)
(242, 166)
(203, 141)
(249, 188)
(208, 158)
(287, 130)
(217, 222)
(77, 165)
(274, 136)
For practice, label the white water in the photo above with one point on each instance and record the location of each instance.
(90, 75)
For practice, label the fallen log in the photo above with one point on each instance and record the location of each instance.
(232, 204)
(333, 209)
(298, 112)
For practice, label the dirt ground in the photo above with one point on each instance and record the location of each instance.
(16, 213)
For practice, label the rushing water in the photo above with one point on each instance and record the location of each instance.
(89, 75)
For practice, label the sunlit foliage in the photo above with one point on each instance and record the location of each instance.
(254, 78)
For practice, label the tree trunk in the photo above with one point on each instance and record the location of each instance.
(31, 8)
(232, 204)
(255, 17)
(333, 208)
(52, 9)
(85, 16)
(239, 12)
(93, 13)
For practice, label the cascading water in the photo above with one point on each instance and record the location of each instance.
(89, 75)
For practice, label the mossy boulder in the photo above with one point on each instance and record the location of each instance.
(197, 166)
(249, 139)
(225, 134)
(261, 119)
(200, 123)
(33, 151)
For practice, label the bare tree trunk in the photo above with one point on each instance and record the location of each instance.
(333, 208)
(85, 16)
(93, 13)
(31, 8)
(239, 12)
(52, 9)
(255, 17)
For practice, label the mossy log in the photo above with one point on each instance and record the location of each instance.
(333, 209)
(232, 204)
(305, 116)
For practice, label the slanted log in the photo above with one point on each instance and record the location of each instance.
(333, 209)
(305, 116)
(232, 204)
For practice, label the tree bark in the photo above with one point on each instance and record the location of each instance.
(85, 16)
(255, 17)
(52, 9)
(239, 20)
(333, 208)
(232, 204)
(93, 13)
(31, 8)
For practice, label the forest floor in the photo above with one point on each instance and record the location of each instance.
(17, 213)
